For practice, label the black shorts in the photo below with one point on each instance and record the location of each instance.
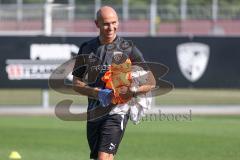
(105, 134)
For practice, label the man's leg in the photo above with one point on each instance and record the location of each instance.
(105, 156)
(93, 138)
(112, 131)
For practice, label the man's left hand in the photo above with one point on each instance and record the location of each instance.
(126, 93)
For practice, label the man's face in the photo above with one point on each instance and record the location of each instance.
(108, 25)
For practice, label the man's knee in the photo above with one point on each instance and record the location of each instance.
(105, 156)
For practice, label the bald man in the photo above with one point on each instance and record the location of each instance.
(104, 133)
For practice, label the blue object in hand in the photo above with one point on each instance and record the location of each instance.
(105, 97)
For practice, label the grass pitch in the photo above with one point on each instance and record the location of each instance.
(48, 138)
(175, 97)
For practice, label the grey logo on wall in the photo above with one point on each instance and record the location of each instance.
(193, 59)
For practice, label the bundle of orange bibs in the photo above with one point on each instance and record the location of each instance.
(118, 78)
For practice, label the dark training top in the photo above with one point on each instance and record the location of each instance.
(94, 58)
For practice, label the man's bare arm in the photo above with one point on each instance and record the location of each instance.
(82, 88)
(151, 84)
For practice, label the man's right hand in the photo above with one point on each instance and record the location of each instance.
(105, 96)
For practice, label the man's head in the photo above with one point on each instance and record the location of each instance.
(107, 22)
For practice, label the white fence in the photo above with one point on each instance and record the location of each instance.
(152, 19)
